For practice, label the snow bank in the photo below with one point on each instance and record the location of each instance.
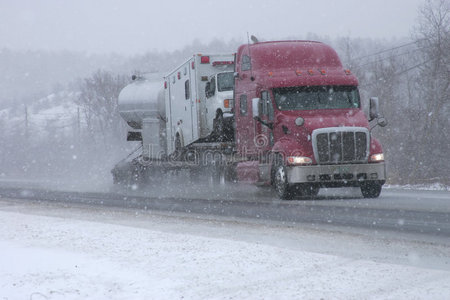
(422, 187)
(48, 257)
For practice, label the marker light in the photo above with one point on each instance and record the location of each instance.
(299, 121)
(270, 74)
(379, 157)
(226, 103)
(298, 160)
(204, 59)
(323, 72)
(298, 72)
(310, 72)
(347, 72)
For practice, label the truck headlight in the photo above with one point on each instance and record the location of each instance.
(379, 157)
(298, 160)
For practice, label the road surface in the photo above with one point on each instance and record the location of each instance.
(241, 242)
(397, 210)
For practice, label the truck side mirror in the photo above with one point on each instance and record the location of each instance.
(256, 107)
(382, 122)
(256, 111)
(374, 111)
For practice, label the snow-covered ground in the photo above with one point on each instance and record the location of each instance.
(421, 187)
(56, 113)
(51, 251)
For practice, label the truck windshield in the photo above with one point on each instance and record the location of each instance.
(225, 81)
(316, 97)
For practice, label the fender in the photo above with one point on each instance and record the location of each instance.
(291, 147)
(375, 146)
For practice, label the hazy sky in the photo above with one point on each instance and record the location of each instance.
(135, 26)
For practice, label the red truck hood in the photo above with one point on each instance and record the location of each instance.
(288, 77)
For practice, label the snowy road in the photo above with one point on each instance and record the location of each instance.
(397, 210)
(55, 250)
(234, 242)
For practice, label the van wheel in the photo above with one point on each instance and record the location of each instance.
(370, 189)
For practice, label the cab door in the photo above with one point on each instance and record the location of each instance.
(263, 129)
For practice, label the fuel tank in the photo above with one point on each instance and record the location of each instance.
(142, 99)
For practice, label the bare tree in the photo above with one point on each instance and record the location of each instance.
(432, 89)
(98, 98)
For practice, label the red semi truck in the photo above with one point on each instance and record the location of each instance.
(297, 120)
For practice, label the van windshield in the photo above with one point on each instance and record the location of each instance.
(316, 97)
(225, 81)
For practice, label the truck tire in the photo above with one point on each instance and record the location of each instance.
(218, 126)
(312, 190)
(371, 189)
(194, 174)
(284, 189)
(177, 154)
(306, 190)
(281, 184)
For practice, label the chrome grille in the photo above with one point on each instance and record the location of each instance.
(341, 145)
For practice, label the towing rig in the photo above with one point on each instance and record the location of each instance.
(283, 113)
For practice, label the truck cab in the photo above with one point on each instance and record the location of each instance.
(219, 97)
(190, 113)
(299, 116)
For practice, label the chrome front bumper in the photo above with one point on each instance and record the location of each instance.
(335, 174)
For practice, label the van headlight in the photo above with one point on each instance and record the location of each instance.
(379, 157)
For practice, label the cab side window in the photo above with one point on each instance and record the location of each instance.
(246, 63)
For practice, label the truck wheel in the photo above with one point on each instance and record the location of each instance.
(313, 190)
(216, 174)
(218, 126)
(153, 176)
(230, 173)
(306, 190)
(194, 174)
(370, 189)
(281, 184)
(177, 154)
